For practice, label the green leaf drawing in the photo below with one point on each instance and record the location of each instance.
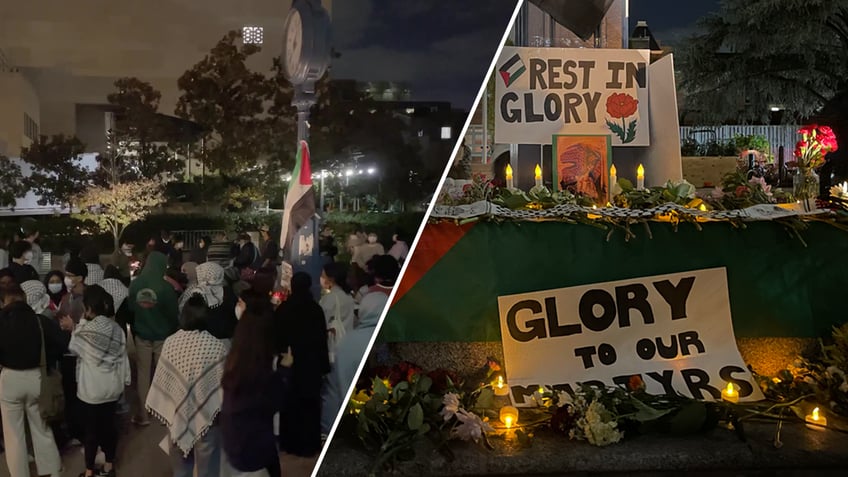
(631, 132)
(615, 128)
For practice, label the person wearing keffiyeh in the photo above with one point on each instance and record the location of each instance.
(103, 370)
(219, 298)
(37, 298)
(186, 393)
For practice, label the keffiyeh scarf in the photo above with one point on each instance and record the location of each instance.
(95, 274)
(186, 392)
(36, 295)
(117, 289)
(210, 284)
(101, 342)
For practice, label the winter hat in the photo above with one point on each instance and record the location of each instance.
(36, 295)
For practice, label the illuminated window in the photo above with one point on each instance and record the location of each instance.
(252, 35)
(446, 132)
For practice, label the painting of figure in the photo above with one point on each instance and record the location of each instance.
(581, 166)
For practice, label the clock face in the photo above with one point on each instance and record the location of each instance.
(294, 42)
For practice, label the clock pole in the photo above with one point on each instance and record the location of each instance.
(303, 100)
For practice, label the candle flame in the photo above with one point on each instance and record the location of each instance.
(500, 384)
(816, 414)
(730, 390)
(508, 421)
(640, 172)
(508, 171)
(703, 207)
(538, 171)
(613, 171)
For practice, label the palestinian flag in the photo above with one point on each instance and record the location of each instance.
(512, 70)
(300, 201)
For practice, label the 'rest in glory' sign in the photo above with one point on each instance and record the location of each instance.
(673, 330)
(579, 91)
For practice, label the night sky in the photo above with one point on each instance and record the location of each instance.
(670, 20)
(441, 48)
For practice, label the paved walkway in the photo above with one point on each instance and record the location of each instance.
(139, 455)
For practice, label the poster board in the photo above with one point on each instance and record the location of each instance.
(673, 330)
(584, 91)
(581, 165)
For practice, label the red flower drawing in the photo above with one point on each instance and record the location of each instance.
(621, 106)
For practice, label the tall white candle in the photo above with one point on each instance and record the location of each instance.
(509, 181)
(538, 175)
(640, 178)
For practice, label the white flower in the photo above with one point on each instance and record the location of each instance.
(598, 427)
(472, 427)
(451, 402)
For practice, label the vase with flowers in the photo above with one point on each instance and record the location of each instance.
(816, 141)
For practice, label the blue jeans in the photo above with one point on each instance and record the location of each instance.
(331, 401)
(206, 455)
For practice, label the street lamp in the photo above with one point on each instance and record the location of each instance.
(371, 171)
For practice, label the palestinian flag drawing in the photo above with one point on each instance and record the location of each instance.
(512, 69)
(300, 201)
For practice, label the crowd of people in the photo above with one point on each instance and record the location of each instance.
(236, 360)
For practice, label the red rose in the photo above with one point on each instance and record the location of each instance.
(621, 105)
(808, 129)
(466, 188)
(741, 191)
(799, 148)
(825, 131)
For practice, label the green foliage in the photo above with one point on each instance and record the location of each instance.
(137, 143)
(750, 56)
(754, 142)
(57, 172)
(691, 147)
(226, 98)
(12, 185)
(111, 209)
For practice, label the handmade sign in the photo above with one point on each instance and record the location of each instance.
(673, 330)
(581, 165)
(585, 91)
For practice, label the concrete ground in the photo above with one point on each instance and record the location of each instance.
(139, 454)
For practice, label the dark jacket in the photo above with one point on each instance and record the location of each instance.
(247, 257)
(22, 273)
(300, 324)
(222, 319)
(20, 338)
(198, 255)
(250, 412)
(153, 301)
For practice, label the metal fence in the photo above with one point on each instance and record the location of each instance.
(192, 237)
(785, 135)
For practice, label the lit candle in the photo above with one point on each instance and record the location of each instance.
(815, 420)
(538, 175)
(844, 186)
(613, 177)
(509, 415)
(702, 207)
(509, 184)
(730, 394)
(640, 178)
(500, 387)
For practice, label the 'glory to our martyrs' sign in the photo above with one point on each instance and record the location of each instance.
(584, 91)
(672, 330)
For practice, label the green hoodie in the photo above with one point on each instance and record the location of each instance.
(153, 301)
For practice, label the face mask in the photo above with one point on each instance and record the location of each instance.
(54, 288)
(27, 257)
(69, 282)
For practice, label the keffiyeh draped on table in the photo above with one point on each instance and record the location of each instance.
(210, 284)
(186, 392)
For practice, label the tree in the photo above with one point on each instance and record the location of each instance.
(112, 208)
(790, 54)
(137, 142)
(12, 185)
(57, 171)
(224, 96)
(751, 56)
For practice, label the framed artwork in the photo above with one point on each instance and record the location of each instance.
(581, 165)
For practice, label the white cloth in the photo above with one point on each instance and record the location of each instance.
(103, 367)
(36, 296)
(95, 274)
(210, 284)
(338, 309)
(186, 394)
(117, 289)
